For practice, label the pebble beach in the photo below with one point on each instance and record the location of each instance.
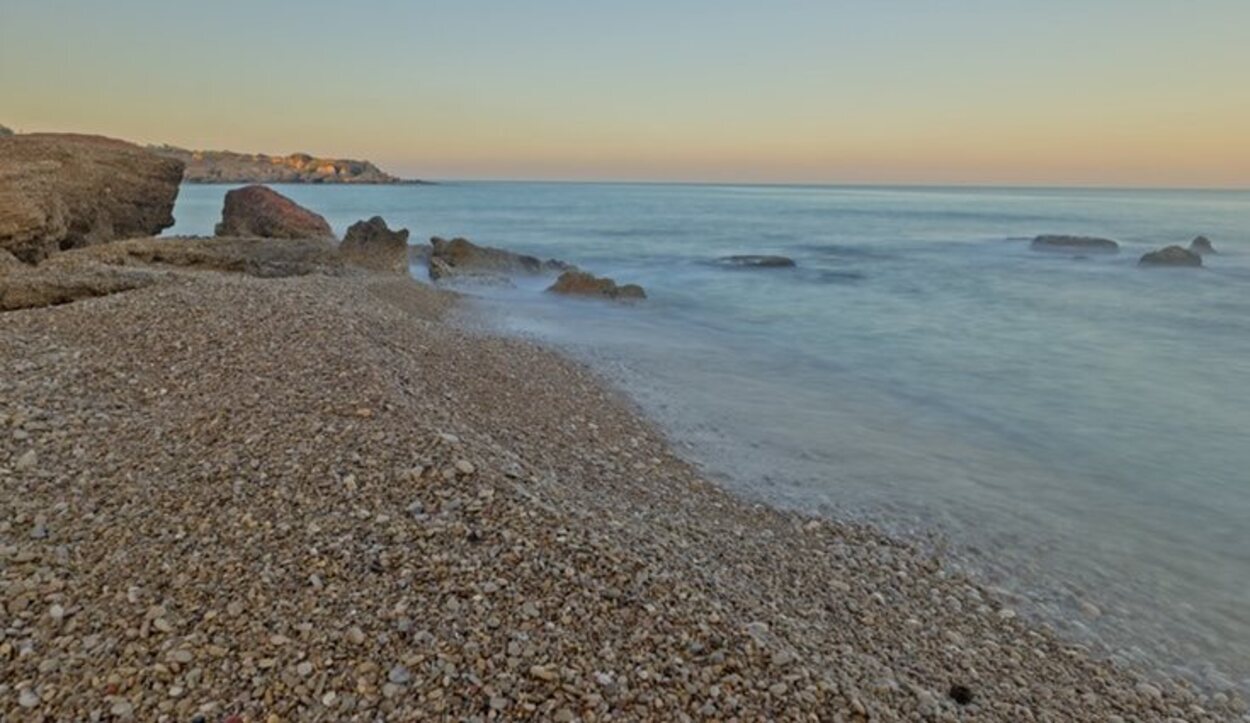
(232, 498)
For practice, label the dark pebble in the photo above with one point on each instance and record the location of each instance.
(961, 694)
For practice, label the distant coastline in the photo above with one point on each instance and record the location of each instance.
(232, 167)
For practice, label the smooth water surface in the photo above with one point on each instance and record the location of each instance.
(1078, 429)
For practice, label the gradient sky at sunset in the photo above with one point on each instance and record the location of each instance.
(1119, 92)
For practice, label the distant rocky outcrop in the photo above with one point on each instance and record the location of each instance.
(460, 257)
(1059, 242)
(373, 245)
(580, 283)
(1201, 246)
(1171, 256)
(231, 167)
(756, 261)
(63, 191)
(261, 211)
(5, 131)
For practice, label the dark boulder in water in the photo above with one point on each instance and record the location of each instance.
(1171, 256)
(580, 283)
(460, 257)
(756, 261)
(1059, 242)
(1201, 246)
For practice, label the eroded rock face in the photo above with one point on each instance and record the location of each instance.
(9, 263)
(64, 191)
(263, 212)
(1087, 244)
(756, 261)
(373, 245)
(1171, 256)
(580, 283)
(1201, 246)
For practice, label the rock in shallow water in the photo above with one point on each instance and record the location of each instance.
(580, 283)
(1201, 245)
(1171, 256)
(461, 258)
(755, 261)
(1061, 242)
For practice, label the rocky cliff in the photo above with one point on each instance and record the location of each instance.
(231, 167)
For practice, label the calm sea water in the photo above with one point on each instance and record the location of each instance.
(1074, 430)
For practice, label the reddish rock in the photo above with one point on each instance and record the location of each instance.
(373, 245)
(261, 211)
(63, 191)
(580, 283)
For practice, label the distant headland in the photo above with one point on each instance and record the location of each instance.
(233, 167)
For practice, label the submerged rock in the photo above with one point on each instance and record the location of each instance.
(756, 261)
(1171, 256)
(63, 191)
(263, 212)
(373, 245)
(1059, 242)
(580, 283)
(1201, 246)
(460, 257)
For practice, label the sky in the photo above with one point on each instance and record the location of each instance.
(1021, 92)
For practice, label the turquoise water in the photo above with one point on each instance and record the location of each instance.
(1074, 430)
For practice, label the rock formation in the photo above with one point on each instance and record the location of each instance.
(5, 131)
(1171, 256)
(373, 245)
(63, 191)
(261, 211)
(51, 285)
(1201, 246)
(580, 283)
(460, 257)
(756, 261)
(231, 167)
(111, 268)
(1058, 242)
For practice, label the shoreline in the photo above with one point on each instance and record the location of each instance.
(1041, 600)
(316, 497)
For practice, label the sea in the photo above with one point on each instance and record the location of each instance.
(1068, 428)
